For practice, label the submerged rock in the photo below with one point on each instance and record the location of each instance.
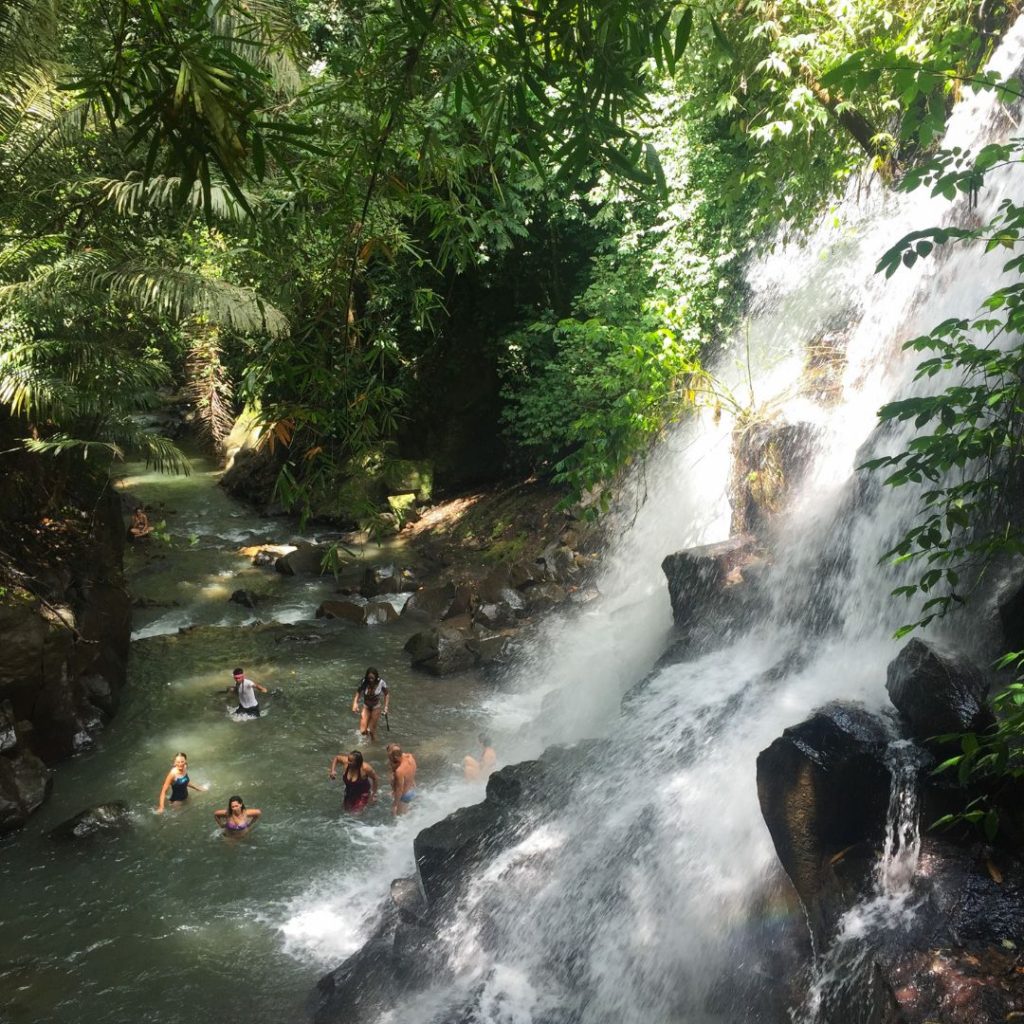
(246, 598)
(305, 560)
(104, 818)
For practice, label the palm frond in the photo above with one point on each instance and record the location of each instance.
(208, 385)
(175, 292)
(134, 193)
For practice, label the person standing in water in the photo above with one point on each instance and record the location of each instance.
(375, 697)
(474, 770)
(360, 780)
(403, 778)
(178, 783)
(237, 817)
(245, 689)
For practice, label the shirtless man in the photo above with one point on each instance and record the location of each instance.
(472, 769)
(403, 778)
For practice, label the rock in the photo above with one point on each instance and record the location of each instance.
(523, 573)
(441, 651)
(712, 588)
(495, 616)
(352, 610)
(25, 782)
(404, 507)
(407, 895)
(447, 850)
(8, 728)
(381, 579)
(770, 459)
(490, 650)
(305, 560)
(380, 613)
(265, 559)
(246, 598)
(824, 788)
(105, 818)
(429, 604)
(937, 692)
(463, 603)
(403, 476)
(542, 597)
(98, 691)
(301, 638)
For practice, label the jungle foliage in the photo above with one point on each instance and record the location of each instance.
(372, 222)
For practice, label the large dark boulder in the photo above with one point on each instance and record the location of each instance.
(713, 588)
(824, 788)
(350, 610)
(441, 651)
(305, 560)
(104, 819)
(429, 604)
(25, 782)
(937, 692)
(382, 579)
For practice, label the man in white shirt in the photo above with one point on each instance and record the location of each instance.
(245, 691)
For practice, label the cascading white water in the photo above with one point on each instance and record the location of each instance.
(843, 977)
(649, 896)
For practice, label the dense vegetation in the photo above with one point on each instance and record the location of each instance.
(499, 236)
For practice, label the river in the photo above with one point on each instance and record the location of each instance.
(172, 921)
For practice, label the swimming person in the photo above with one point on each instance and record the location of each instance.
(360, 780)
(403, 778)
(237, 817)
(374, 693)
(244, 689)
(473, 769)
(178, 783)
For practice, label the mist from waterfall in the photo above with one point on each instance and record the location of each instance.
(653, 896)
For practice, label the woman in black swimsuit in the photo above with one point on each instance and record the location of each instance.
(360, 780)
(375, 696)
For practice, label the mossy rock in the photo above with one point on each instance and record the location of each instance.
(409, 475)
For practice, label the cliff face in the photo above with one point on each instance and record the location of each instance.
(65, 619)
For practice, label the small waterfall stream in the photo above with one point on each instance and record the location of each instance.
(844, 977)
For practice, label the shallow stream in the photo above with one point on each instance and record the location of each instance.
(174, 922)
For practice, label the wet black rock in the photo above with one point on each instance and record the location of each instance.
(104, 819)
(441, 651)
(429, 604)
(381, 579)
(352, 610)
(246, 598)
(305, 560)
(824, 788)
(936, 691)
(25, 782)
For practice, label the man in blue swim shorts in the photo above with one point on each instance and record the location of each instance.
(403, 778)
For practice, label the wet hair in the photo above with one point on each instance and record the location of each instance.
(484, 739)
(393, 748)
(181, 753)
(238, 672)
(232, 799)
(376, 675)
(355, 760)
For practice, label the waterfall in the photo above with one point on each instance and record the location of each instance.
(844, 979)
(654, 893)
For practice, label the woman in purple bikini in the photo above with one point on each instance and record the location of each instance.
(237, 817)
